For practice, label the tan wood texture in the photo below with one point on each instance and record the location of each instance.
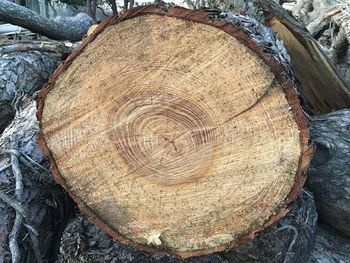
(172, 134)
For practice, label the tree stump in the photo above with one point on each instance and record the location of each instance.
(175, 130)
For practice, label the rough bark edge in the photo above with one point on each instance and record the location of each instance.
(207, 18)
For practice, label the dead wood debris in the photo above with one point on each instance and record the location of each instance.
(50, 46)
(329, 22)
(22, 217)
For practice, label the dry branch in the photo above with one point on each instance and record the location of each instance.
(15, 46)
(70, 28)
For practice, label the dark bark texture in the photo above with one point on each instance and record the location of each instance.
(289, 240)
(329, 172)
(60, 28)
(22, 73)
(331, 246)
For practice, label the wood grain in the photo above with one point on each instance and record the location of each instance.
(173, 134)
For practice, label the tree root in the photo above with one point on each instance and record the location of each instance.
(21, 214)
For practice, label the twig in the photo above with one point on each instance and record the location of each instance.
(54, 47)
(14, 248)
(13, 203)
(29, 165)
(21, 213)
(290, 247)
(13, 244)
(34, 162)
(306, 192)
(16, 172)
(28, 161)
(16, 101)
(31, 229)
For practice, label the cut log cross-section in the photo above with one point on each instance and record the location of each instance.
(175, 131)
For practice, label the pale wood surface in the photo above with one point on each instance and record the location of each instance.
(174, 133)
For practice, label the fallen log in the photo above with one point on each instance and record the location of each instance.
(60, 28)
(289, 238)
(177, 131)
(329, 173)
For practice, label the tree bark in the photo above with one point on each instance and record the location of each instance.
(22, 73)
(69, 28)
(46, 205)
(329, 173)
(330, 245)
